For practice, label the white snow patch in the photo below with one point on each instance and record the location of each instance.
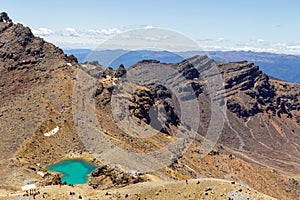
(28, 187)
(69, 64)
(42, 174)
(52, 132)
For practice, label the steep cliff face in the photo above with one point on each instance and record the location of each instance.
(263, 114)
(145, 104)
(260, 94)
(252, 98)
(36, 97)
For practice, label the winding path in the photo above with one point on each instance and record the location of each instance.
(253, 136)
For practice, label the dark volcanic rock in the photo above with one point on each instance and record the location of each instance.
(4, 18)
(148, 104)
(246, 79)
(106, 174)
(101, 171)
(120, 71)
(188, 70)
(141, 102)
(151, 104)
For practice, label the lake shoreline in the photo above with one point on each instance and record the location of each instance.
(73, 171)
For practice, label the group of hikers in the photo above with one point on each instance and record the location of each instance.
(32, 192)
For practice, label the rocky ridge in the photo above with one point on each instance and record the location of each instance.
(251, 98)
(35, 86)
(246, 78)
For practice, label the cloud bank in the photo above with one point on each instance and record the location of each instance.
(42, 32)
(91, 38)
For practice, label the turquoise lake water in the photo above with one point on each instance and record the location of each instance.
(74, 171)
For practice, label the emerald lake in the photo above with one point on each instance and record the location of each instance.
(74, 171)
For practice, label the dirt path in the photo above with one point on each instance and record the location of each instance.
(242, 143)
(253, 136)
(205, 188)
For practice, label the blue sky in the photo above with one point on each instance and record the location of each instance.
(259, 25)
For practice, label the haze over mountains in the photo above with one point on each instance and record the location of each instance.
(45, 99)
(281, 66)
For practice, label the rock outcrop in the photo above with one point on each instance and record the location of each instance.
(149, 103)
(5, 18)
(106, 177)
(259, 94)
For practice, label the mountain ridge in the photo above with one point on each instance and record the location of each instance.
(281, 66)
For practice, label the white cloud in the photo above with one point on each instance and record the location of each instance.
(93, 37)
(256, 42)
(291, 48)
(295, 47)
(148, 27)
(255, 45)
(220, 40)
(157, 37)
(212, 48)
(260, 40)
(111, 31)
(71, 32)
(213, 41)
(107, 32)
(259, 45)
(42, 32)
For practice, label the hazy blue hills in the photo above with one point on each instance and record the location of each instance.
(131, 57)
(113, 58)
(281, 66)
(80, 54)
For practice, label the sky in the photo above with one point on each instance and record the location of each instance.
(257, 25)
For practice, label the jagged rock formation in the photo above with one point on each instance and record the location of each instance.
(93, 68)
(147, 103)
(106, 177)
(258, 108)
(255, 86)
(4, 18)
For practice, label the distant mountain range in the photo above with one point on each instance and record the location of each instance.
(281, 66)
(113, 58)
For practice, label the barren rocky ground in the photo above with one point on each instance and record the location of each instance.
(191, 189)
